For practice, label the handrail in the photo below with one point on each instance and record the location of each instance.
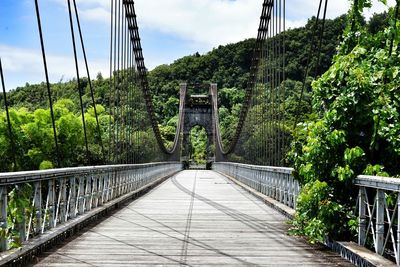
(384, 183)
(275, 182)
(10, 178)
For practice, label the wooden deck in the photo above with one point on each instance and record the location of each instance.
(197, 218)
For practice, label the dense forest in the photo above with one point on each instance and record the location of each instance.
(228, 66)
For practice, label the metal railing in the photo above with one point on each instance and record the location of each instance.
(275, 182)
(379, 217)
(378, 202)
(32, 203)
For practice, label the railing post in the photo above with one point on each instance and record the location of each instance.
(380, 224)
(95, 190)
(398, 230)
(50, 202)
(3, 217)
(362, 220)
(72, 197)
(62, 198)
(81, 196)
(38, 206)
(291, 191)
(88, 193)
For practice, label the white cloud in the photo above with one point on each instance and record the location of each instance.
(27, 63)
(213, 22)
(201, 24)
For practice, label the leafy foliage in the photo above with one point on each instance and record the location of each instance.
(355, 128)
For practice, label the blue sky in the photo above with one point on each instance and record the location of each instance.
(169, 30)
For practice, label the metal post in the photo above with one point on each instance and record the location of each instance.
(50, 203)
(72, 197)
(380, 224)
(362, 220)
(3, 217)
(38, 206)
(398, 230)
(88, 193)
(81, 196)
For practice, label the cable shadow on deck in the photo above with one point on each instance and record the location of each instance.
(190, 240)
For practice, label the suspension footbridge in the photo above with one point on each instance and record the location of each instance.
(136, 204)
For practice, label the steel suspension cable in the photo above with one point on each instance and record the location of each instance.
(110, 95)
(10, 132)
(128, 106)
(307, 66)
(127, 87)
(114, 88)
(89, 80)
(284, 70)
(78, 80)
(58, 155)
(123, 89)
(274, 88)
(321, 38)
(280, 70)
(270, 94)
(396, 14)
(118, 83)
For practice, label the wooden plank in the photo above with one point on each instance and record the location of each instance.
(196, 218)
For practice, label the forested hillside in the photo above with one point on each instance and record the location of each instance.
(228, 66)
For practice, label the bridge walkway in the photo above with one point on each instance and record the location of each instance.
(196, 218)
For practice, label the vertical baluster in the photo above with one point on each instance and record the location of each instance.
(3, 216)
(130, 187)
(296, 193)
(72, 198)
(93, 194)
(101, 189)
(275, 185)
(286, 192)
(122, 183)
(398, 230)
(137, 177)
(380, 224)
(88, 193)
(81, 195)
(51, 196)
(62, 205)
(38, 206)
(105, 187)
(362, 218)
(118, 179)
(134, 179)
(111, 184)
(126, 181)
(291, 191)
(262, 182)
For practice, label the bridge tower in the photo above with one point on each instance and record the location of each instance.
(200, 110)
(197, 112)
